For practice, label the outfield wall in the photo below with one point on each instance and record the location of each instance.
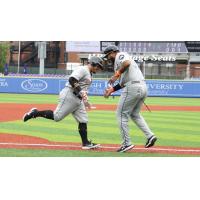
(161, 88)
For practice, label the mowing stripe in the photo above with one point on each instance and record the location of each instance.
(135, 149)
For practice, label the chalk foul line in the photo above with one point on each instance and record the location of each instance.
(101, 147)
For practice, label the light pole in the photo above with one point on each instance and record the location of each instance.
(19, 52)
(188, 68)
(42, 55)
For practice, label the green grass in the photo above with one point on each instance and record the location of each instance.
(72, 153)
(173, 128)
(52, 99)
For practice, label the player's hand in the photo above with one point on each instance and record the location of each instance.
(85, 99)
(88, 105)
(108, 92)
(84, 95)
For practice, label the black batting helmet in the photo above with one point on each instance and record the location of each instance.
(96, 61)
(109, 49)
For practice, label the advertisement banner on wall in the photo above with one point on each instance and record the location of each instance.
(160, 88)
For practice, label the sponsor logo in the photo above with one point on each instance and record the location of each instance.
(142, 58)
(34, 85)
(3, 83)
(121, 57)
(165, 86)
(164, 58)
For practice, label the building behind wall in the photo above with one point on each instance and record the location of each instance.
(186, 56)
(29, 53)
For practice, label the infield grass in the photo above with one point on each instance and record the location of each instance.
(173, 128)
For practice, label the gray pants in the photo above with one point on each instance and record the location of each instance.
(130, 103)
(69, 104)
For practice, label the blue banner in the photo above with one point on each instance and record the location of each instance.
(160, 88)
(30, 85)
(173, 88)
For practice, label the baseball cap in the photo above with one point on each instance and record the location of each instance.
(109, 49)
(96, 61)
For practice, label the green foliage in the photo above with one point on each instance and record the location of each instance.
(4, 47)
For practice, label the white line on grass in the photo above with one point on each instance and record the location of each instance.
(106, 147)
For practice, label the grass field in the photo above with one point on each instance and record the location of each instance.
(173, 128)
(44, 99)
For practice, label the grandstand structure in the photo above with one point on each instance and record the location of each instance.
(157, 59)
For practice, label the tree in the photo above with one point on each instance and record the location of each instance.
(4, 54)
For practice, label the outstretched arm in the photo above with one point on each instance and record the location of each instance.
(123, 68)
(111, 89)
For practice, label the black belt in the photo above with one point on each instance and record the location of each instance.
(134, 82)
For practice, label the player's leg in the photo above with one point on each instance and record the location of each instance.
(81, 117)
(34, 112)
(123, 113)
(138, 118)
(67, 103)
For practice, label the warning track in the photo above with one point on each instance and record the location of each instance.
(28, 142)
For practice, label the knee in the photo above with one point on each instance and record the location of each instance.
(122, 116)
(57, 117)
(135, 116)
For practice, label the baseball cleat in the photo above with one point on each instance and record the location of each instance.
(30, 114)
(125, 148)
(90, 146)
(151, 141)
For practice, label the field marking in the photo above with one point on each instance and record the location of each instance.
(45, 145)
(103, 147)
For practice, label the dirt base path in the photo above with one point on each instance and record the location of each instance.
(28, 142)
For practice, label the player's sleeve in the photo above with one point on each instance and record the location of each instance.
(78, 73)
(122, 57)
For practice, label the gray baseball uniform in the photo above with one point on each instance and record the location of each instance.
(68, 102)
(131, 99)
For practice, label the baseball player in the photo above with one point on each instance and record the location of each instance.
(73, 99)
(132, 97)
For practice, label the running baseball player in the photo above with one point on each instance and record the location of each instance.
(73, 99)
(132, 97)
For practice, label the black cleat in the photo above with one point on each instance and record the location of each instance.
(30, 114)
(90, 145)
(151, 141)
(125, 148)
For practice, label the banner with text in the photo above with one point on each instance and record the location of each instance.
(159, 88)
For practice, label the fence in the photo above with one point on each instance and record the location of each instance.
(160, 88)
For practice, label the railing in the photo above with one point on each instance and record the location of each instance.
(12, 70)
